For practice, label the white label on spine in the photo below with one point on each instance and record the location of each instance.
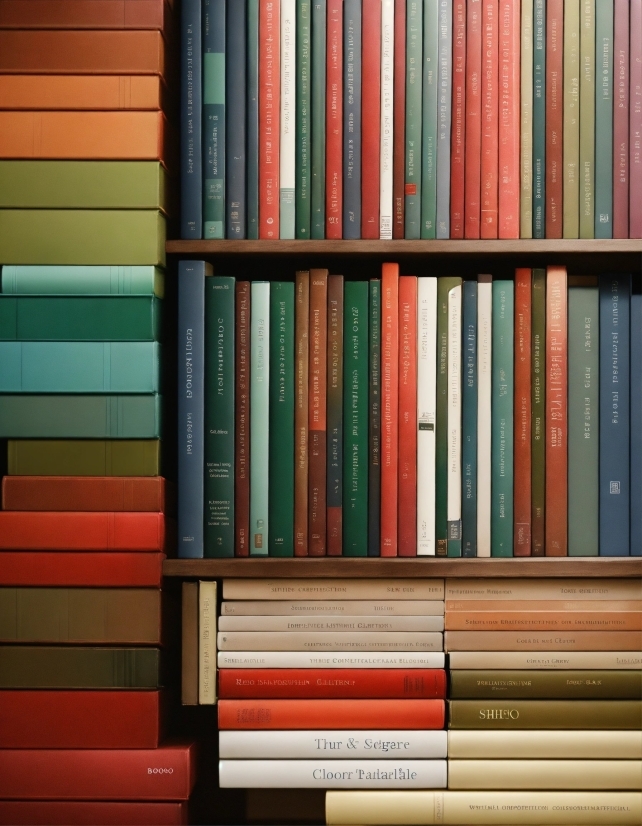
(426, 414)
(484, 376)
(387, 101)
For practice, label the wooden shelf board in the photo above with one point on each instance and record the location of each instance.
(593, 567)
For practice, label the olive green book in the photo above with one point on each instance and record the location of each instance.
(317, 97)
(587, 119)
(538, 410)
(303, 163)
(61, 280)
(571, 133)
(83, 185)
(614, 715)
(546, 685)
(430, 96)
(80, 457)
(603, 220)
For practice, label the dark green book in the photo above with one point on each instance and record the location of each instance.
(374, 422)
(414, 63)
(218, 538)
(214, 118)
(614, 715)
(546, 685)
(281, 434)
(252, 149)
(430, 97)
(80, 457)
(356, 455)
(303, 120)
(335, 421)
(502, 419)
(79, 318)
(604, 119)
(539, 118)
(538, 413)
(317, 194)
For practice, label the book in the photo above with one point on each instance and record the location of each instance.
(189, 643)
(102, 570)
(472, 181)
(454, 420)
(635, 123)
(269, 97)
(64, 812)
(386, 135)
(490, 119)
(191, 115)
(522, 408)
(242, 421)
(604, 119)
(526, 115)
(484, 411)
(334, 121)
(571, 127)
(554, 685)
(301, 411)
(542, 640)
(83, 280)
(540, 88)
(213, 116)
(206, 642)
(287, 137)
(544, 774)
(329, 641)
(458, 132)
(252, 119)
(345, 588)
(343, 659)
(318, 104)
(577, 744)
(407, 417)
(568, 607)
(429, 118)
(80, 457)
(374, 416)
(588, 69)
(317, 413)
(636, 427)
(389, 408)
(399, 113)
(524, 620)
(413, 124)
(335, 411)
(371, 11)
(235, 121)
(344, 607)
(621, 83)
(554, 171)
(259, 391)
(83, 14)
(544, 588)
(469, 421)
(545, 660)
(374, 623)
(509, 179)
(538, 413)
(526, 714)
(426, 413)
(303, 84)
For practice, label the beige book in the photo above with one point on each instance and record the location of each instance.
(602, 660)
(189, 644)
(544, 774)
(468, 744)
(568, 589)
(331, 623)
(345, 607)
(328, 641)
(596, 605)
(526, 136)
(333, 589)
(543, 641)
(207, 642)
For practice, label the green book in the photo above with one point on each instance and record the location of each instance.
(355, 419)
(430, 96)
(78, 457)
(79, 318)
(546, 685)
(79, 367)
(39, 666)
(214, 118)
(281, 468)
(317, 193)
(83, 185)
(502, 419)
(539, 118)
(80, 417)
(76, 236)
(219, 417)
(583, 421)
(414, 72)
(303, 121)
(259, 417)
(58, 280)
(538, 412)
(587, 119)
(252, 150)
(571, 131)
(614, 715)
(604, 120)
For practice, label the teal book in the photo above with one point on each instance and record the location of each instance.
(502, 419)
(583, 421)
(218, 538)
(252, 149)
(79, 367)
(355, 417)
(539, 118)
(36, 280)
(414, 63)
(317, 194)
(259, 417)
(79, 318)
(604, 119)
(303, 120)
(214, 118)
(469, 422)
(374, 417)
(281, 484)
(430, 98)
(80, 417)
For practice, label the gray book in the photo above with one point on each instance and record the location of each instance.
(444, 113)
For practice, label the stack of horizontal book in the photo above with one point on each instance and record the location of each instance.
(332, 684)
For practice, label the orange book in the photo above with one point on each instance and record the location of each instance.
(543, 641)
(595, 605)
(389, 407)
(522, 408)
(43, 52)
(317, 421)
(489, 119)
(84, 14)
(69, 92)
(543, 621)
(83, 135)
(407, 533)
(509, 117)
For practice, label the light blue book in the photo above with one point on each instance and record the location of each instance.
(78, 280)
(259, 416)
(636, 425)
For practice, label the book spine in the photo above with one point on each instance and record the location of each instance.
(426, 413)
(561, 605)
(540, 91)
(615, 308)
(389, 407)
(484, 411)
(621, 83)
(399, 115)
(370, 129)
(206, 643)
(571, 130)
(82, 280)
(242, 422)
(352, 119)
(458, 135)
(490, 120)
(522, 406)
(302, 345)
(453, 514)
(509, 115)
(317, 421)
(335, 424)
(635, 122)
(554, 117)
(560, 714)
(604, 119)
(543, 620)
(346, 588)
(526, 139)
(413, 125)
(502, 419)
(356, 454)
(407, 439)
(219, 416)
(214, 162)
(189, 644)
(587, 119)
(469, 422)
(430, 112)
(191, 114)
(235, 139)
(542, 774)
(55, 568)
(343, 659)
(346, 623)
(330, 641)
(387, 114)
(472, 178)
(82, 493)
(444, 285)
(303, 163)
(287, 137)
(333, 122)
(553, 660)
(269, 110)
(317, 96)
(541, 641)
(374, 416)
(358, 608)
(252, 105)
(636, 426)
(543, 744)
(281, 486)
(259, 416)
(444, 117)
(538, 413)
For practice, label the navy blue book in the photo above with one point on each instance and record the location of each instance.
(352, 119)
(374, 435)
(636, 425)
(252, 149)
(214, 118)
(615, 441)
(235, 82)
(469, 422)
(191, 163)
(191, 406)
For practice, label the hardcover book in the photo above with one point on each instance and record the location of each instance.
(79, 569)
(317, 413)
(74, 811)
(85, 14)
(259, 417)
(337, 421)
(613, 715)
(213, 115)
(242, 421)
(407, 461)
(287, 137)
(80, 457)
(301, 411)
(191, 118)
(426, 413)
(544, 774)
(91, 92)
(83, 280)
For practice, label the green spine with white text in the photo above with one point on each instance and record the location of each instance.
(214, 118)
(430, 100)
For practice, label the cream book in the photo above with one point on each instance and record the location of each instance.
(544, 774)
(337, 659)
(556, 660)
(543, 745)
(328, 641)
(346, 607)
(426, 413)
(206, 642)
(333, 589)
(484, 401)
(333, 624)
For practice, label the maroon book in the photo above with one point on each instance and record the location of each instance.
(242, 420)
(621, 82)
(81, 813)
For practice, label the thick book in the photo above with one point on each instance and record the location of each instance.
(524, 620)
(545, 685)
(538, 413)
(526, 113)
(386, 135)
(621, 82)
(413, 124)
(235, 121)
(454, 369)
(252, 119)
(458, 131)
(635, 123)
(334, 121)
(85, 14)
(317, 413)
(554, 118)
(523, 588)
(79, 569)
(83, 280)
(542, 641)
(472, 180)
(429, 115)
(242, 421)
(330, 641)
(426, 413)
(374, 623)
(303, 125)
(548, 660)
(370, 126)
(484, 412)
(444, 118)
(279, 589)
(522, 408)
(342, 659)
(81, 457)
(336, 420)
(540, 91)
(588, 68)
(509, 42)
(189, 643)
(328, 714)
(191, 117)
(374, 416)
(407, 438)
(604, 119)
(317, 108)
(207, 620)
(389, 408)
(213, 115)
(79, 812)
(544, 745)
(301, 411)
(346, 608)
(352, 119)
(571, 120)
(269, 97)
(469, 402)
(636, 426)
(613, 715)
(399, 113)
(544, 774)
(490, 95)
(287, 136)
(259, 417)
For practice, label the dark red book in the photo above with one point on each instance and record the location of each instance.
(334, 410)
(269, 118)
(635, 122)
(334, 122)
(80, 719)
(87, 813)
(509, 116)
(51, 568)
(317, 413)
(242, 422)
(554, 117)
(62, 531)
(84, 14)
(621, 82)
(472, 182)
(490, 120)
(458, 132)
(165, 773)
(522, 408)
(370, 122)
(407, 484)
(389, 408)
(319, 683)
(399, 122)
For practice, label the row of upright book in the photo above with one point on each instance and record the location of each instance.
(404, 119)
(407, 416)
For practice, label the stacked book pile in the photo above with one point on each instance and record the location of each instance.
(332, 683)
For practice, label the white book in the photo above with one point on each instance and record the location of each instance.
(332, 774)
(347, 607)
(484, 401)
(387, 112)
(333, 745)
(333, 588)
(331, 623)
(337, 659)
(550, 660)
(453, 510)
(206, 642)
(329, 641)
(426, 413)
(259, 418)
(544, 745)
(287, 151)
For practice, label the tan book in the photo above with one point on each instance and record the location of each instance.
(546, 659)
(571, 132)
(526, 135)
(543, 684)
(206, 642)
(543, 745)
(544, 774)
(328, 641)
(544, 620)
(613, 715)
(189, 644)
(331, 623)
(346, 607)
(314, 589)
(597, 605)
(520, 589)
(543, 641)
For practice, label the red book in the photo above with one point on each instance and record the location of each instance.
(51, 568)
(60, 531)
(489, 119)
(312, 683)
(407, 485)
(522, 407)
(80, 719)
(334, 121)
(166, 773)
(458, 134)
(472, 182)
(88, 493)
(84, 14)
(635, 123)
(334, 408)
(371, 122)
(509, 118)
(389, 407)
(556, 542)
(399, 122)
(331, 714)
(317, 420)
(554, 117)
(269, 117)
(82, 813)
(621, 82)
(242, 421)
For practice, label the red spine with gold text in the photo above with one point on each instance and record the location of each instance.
(269, 117)
(522, 411)
(458, 134)
(370, 121)
(389, 407)
(399, 122)
(407, 490)
(509, 117)
(489, 119)
(334, 122)
(554, 117)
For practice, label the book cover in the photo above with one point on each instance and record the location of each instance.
(444, 117)
(189, 643)
(526, 139)
(242, 421)
(343, 659)
(544, 744)
(426, 413)
(546, 660)
(544, 774)
(81, 457)
(342, 607)
(453, 515)
(561, 605)
(522, 408)
(509, 43)
(276, 589)
(604, 119)
(252, 119)
(301, 410)
(567, 589)
(269, 107)
(472, 180)
(389, 408)
(303, 119)
(56, 568)
(317, 413)
(207, 611)
(490, 119)
(335, 414)
(413, 124)
(547, 685)
(371, 11)
(588, 74)
(84, 14)
(348, 623)
(635, 123)
(621, 82)
(65, 812)
(69, 92)
(636, 426)
(429, 117)
(259, 416)
(571, 127)
(540, 91)
(352, 119)
(469, 420)
(235, 121)
(560, 714)
(484, 411)
(458, 133)
(523, 620)
(287, 137)
(318, 105)
(399, 115)
(374, 416)
(83, 280)
(386, 137)
(538, 413)
(554, 118)
(329, 641)
(542, 641)
(407, 417)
